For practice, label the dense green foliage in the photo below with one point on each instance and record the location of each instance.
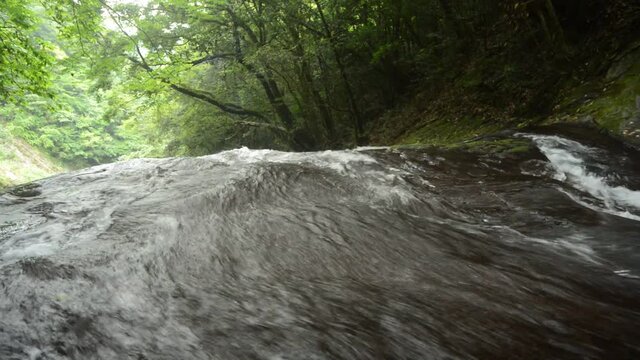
(23, 58)
(55, 105)
(72, 127)
(313, 73)
(186, 77)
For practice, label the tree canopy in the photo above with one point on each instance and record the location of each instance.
(23, 59)
(192, 77)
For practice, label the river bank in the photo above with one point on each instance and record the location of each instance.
(607, 99)
(21, 162)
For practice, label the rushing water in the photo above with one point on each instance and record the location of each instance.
(372, 253)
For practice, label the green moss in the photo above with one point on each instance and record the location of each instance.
(497, 146)
(609, 103)
(470, 79)
(4, 183)
(618, 102)
(466, 109)
(504, 146)
(446, 131)
(22, 163)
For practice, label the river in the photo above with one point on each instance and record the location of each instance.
(373, 253)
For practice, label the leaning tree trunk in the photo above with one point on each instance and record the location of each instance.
(358, 122)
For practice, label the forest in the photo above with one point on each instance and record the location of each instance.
(94, 81)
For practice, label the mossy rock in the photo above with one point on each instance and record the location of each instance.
(512, 146)
(611, 103)
(498, 145)
(445, 132)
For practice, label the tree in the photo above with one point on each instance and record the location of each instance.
(305, 74)
(24, 60)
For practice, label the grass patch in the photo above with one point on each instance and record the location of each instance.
(21, 163)
(446, 132)
(504, 146)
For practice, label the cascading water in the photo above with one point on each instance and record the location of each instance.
(371, 253)
(570, 161)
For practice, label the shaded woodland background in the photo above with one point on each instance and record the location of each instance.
(93, 81)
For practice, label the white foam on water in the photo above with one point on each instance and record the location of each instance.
(575, 243)
(384, 183)
(624, 214)
(31, 250)
(369, 148)
(567, 157)
(34, 353)
(48, 239)
(327, 158)
(626, 274)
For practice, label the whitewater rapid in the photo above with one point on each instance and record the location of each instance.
(372, 253)
(570, 160)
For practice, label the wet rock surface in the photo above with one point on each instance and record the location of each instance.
(372, 253)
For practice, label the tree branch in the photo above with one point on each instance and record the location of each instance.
(242, 24)
(209, 58)
(202, 95)
(208, 98)
(199, 94)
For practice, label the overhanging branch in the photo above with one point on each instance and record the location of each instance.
(210, 99)
(198, 94)
(210, 58)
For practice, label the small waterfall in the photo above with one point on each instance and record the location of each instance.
(571, 161)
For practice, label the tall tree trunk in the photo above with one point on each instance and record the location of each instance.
(309, 90)
(450, 17)
(557, 27)
(358, 123)
(271, 89)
